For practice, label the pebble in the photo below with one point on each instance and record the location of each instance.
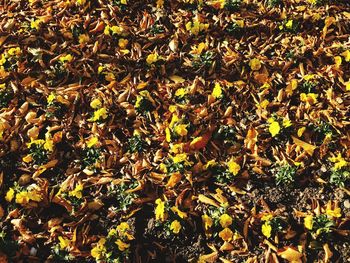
(347, 203)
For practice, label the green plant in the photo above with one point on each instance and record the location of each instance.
(6, 95)
(38, 153)
(157, 29)
(205, 59)
(7, 245)
(273, 3)
(144, 105)
(319, 2)
(90, 156)
(225, 133)
(339, 177)
(309, 86)
(121, 4)
(136, 144)
(322, 227)
(233, 29)
(173, 167)
(233, 5)
(285, 175)
(122, 198)
(61, 255)
(221, 174)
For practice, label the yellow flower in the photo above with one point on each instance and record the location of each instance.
(64, 242)
(100, 69)
(2, 59)
(83, 38)
(309, 77)
(181, 129)
(313, 2)
(207, 221)
(289, 24)
(181, 92)
(226, 234)
(255, 64)
(117, 30)
(35, 24)
(233, 167)
(178, 212)
(124, 2)
(51, 98)
(308, 222)
(34, 196)
(112, 232)
(121, 245)
(274, 128)
(81, 2)
(9, 195)
(264, 104)
(339, 162)
(199, 48)
(175, 226)
(174, 120)
(267, 217)
(178, 158)
(22, 198)
(337, 61)
(195, 27)
(95, 104)
(286, 123)
(301, 131)
(77, 192)
(218, 4)
(346, 55)
(122, 43)
(225, 220)
(37, 142)
(100, 114)
(217, 91)
(266, 229)
(66, 58)
(138, 101)
(176, 148)
(122, 227)
(152, 58)
(163, 168)
(160, 210)
(210, 163)
(48, 145)
(172, 108)
(347, 86)
(92, 142)
(167, 135)
(333, 213)
(14, 51)
(310, 98)
(99, 250)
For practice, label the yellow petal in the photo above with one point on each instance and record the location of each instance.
(274, 128)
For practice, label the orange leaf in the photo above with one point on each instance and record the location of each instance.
(200, 142)
(173, 180)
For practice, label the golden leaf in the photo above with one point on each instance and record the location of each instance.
(290, 254)
(207, 200)
(309, 148)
